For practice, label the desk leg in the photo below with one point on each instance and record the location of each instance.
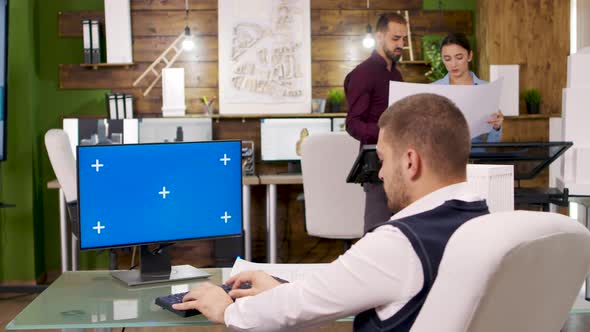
(247, 228)
(63, 231)
(271, 205)
(74, 253)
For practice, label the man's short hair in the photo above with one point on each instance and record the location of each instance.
(432, 125)
(385, 18)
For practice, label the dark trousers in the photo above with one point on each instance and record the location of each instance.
(376, 210)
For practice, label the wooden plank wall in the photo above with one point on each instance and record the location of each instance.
(532, 33)
(337, 26)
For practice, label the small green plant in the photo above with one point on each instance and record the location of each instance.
(532, 96)
(433, 57)
(336, 96)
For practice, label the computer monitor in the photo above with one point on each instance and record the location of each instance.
(280, 139)
(338, 124)
(158, 130)
(140, 194)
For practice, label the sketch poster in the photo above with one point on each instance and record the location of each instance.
(264, 56)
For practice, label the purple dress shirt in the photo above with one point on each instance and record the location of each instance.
(367, 93)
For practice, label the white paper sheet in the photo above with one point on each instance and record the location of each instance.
(477, 102)
(289, 272)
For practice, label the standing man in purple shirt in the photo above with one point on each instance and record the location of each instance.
(367, 93)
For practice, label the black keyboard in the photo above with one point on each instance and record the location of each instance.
(167, 301)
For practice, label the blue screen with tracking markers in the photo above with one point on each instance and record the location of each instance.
(153, 193)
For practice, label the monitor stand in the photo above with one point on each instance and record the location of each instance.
(155, 267)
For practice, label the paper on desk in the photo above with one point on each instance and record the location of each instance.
(289, 272)
(477, 102)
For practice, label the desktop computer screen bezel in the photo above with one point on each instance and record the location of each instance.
(119, 146)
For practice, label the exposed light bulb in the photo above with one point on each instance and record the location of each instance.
(188, 43)
(369, 41)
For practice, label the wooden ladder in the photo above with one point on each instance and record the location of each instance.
(176, 49)
(406, 15)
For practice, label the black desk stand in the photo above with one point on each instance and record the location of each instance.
(529, 159)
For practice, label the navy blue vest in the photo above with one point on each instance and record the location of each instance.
(428, 233)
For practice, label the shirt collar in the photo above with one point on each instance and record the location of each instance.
(458, 191)
(476, 80)
(379, 59)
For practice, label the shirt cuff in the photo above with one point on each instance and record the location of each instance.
(226, 314)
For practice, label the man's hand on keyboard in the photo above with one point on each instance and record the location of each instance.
(211, 300)
(260, 282)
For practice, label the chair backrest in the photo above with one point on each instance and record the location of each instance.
(62, 160)
(508, 271)
(333, 208)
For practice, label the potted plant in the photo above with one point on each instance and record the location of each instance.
(433, 57)
(532, 98)
(335, 99)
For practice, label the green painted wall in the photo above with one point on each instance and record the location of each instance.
(57, 104)
(450, 4)
(29, 241)
(17, 225)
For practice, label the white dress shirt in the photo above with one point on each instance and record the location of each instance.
(380, 271)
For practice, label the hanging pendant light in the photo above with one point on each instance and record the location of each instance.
(188, 43)
(369, 41)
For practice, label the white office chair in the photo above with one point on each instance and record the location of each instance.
(333, 208)
(63, 163)
(508, 271)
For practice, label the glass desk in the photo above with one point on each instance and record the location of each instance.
(94, 299)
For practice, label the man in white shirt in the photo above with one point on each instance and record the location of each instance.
(385, 277)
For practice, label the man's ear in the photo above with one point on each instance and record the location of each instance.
(379, 36)
(414, 164)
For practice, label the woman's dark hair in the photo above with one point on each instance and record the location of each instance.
(456, 39)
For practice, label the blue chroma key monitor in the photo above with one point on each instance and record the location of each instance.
(141, 194)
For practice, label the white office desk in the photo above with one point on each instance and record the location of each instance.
(247, 181)
(271, 182)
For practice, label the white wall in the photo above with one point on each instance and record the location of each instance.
(582, 23)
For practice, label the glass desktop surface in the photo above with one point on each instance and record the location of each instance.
(94, 299)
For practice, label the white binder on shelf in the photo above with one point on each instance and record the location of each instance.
(95, 41)
(120, 106)
(87, 41)
(128, 106)
(112, 105)
(118, 31)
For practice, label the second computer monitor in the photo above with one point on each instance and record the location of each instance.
(160, 130)
(280, 139)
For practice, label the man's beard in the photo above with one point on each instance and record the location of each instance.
(392, 56)
(397, 194)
